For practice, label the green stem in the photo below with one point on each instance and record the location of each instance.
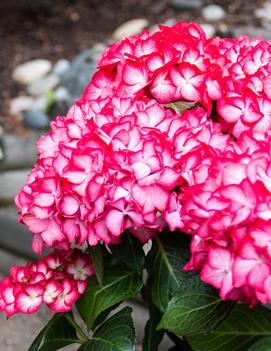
(77, 327)
(181, 344)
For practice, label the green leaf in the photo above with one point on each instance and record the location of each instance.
(196, 308)
(238, 332)
(115, 334)
(263, 344)
(56, 344)
(50, 100)
(165, 262)
(102, 316)
(36, 343)
(59, 332)
(180, 106)
(98, 264)
(152, 337)
(119, 284)
(130, 252)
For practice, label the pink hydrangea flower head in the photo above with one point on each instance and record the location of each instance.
(173, 130)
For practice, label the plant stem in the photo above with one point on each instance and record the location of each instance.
(181, 343)
(77, 327)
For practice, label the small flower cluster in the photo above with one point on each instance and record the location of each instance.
(125, 158)
(58, 280)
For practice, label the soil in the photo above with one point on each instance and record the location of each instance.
(54, 29)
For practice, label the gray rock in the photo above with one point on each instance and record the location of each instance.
(14, 236)
(61, 67)
(97, 49)
(62, 94)
(170, 22)
(213, 13)
(31, 71)
(36, 119)
(80, 72)
(186, 4)
(11, 182)
(20, 104)
(2, 153)
(208, 29)
(2, 150)
(132, 27)
(41, 103)
(8, 259)
(43, 85)
(20, 152)
(252, 32)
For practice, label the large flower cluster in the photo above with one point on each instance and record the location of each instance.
(125, 156)
(229, 216)
(58, 280)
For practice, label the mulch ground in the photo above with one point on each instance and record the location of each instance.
(54, 29)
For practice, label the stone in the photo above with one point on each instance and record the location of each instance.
(2, 153)
(10, 183)
(31, 71)
(43, 85)
(19, 151)
(13, 235)
(264, 13)
(132, 27)
(80, 73)
(61, 67)
(62, 94)
(252, 32)
(183, 5)
(170, 22)
(41, 103)
(2, 150)
(36, 119)
(213, 13)
(97, 49)
(208, 29)
(20, 104)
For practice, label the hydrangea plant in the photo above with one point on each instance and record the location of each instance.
(168, 145)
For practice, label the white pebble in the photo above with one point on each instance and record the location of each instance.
(213, 13)
(132, 27)
(20, 104)
(61, 93)
(31, 71)
(61, 67)
(41, 103)
(208, 29)
(43, 85)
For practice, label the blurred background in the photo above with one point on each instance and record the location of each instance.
(48, 52)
